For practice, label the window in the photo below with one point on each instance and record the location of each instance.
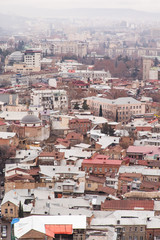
(130, 237)
(89, 185)
(6, 210)
(141, 229)
(100, 169)
(130, 229)
(11, 211)
(95, 169)
(135, 229)
(8, 204)
(105, 169)
(135, 238)
(141, 237)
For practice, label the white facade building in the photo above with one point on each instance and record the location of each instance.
(50, 99)
(32, 58)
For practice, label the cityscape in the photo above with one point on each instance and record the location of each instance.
(80, 120)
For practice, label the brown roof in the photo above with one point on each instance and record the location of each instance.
(128, 205)
(154, 164)
(73, 135)
(131, 175)
(33, 171)
(106, 189)
(96, 179)
(63, 142)
(79, 120)
(46, 154)
(126, 179)
(19, 177)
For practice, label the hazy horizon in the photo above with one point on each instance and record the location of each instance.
(8, 6)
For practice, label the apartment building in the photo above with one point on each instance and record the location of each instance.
(24, 62)
(92, 74)
(32, 58)
(120, 109)
(50, 99)
(147, 64)
(69, 47)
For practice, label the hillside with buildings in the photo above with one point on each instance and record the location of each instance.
(80, 128)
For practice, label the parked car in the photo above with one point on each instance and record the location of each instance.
(4, 231)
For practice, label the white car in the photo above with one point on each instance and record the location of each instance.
(4, 231)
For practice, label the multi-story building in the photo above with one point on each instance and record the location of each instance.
(120, 109)
(24, 62)
(100, 165)
(92, 74)
(69, 47)
(32, 58)
(147, 64)
(50, 99)
(80, 125)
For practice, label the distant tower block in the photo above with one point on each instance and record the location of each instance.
(147, 64)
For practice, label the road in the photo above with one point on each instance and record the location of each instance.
(8, 229)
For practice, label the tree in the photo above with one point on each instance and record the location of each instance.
(20, 210)
(111, 131)
(156, 62)
(85, 105)
(116, 116)
(107, 129)
(76, 105)
(100, 111)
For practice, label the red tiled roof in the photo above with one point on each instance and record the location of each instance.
(128, 204)
(101, 161)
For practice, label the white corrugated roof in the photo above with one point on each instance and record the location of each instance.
(37, 223)
(7, 135)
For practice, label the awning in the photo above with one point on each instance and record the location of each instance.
(52, 229)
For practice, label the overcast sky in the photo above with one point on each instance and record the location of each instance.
(145, 5)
